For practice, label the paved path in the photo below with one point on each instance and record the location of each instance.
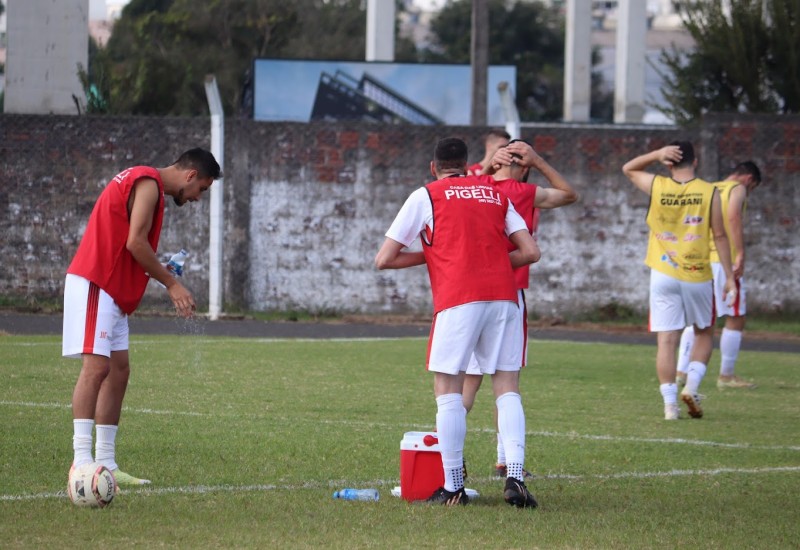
(20, 323)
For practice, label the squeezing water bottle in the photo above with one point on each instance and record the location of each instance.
(357, 494)
(175, 264)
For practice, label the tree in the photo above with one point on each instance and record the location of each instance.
(746, 59)
(529, 35)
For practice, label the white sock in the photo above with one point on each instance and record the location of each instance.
(451, 426)
(501, 450)
(685, 349)
(104, 448)
(82, 441)
(670, 393)
(511, 422)
(694, 376)
(729, 344)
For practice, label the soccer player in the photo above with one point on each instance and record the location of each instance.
(684, 212)
(512, 165)
(105, 283)
(492, 142)
(733, 191)
(464, 223)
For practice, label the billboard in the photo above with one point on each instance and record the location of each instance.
(403, 93)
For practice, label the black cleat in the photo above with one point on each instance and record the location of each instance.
(518, 495)
(448, 498)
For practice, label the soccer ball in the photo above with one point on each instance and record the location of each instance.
(91, 485)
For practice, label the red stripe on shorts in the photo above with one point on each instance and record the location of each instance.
(90, 328)
(737, 304)
(524, 328)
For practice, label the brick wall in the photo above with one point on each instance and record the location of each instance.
(306, 206)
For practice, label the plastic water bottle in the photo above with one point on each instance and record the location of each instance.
(175, 264)
(357, 494)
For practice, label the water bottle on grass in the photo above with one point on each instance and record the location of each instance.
(357, 494)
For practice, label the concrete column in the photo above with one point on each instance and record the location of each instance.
(479, 55)
(578, 61)
(47, 40)
(380, 30)
(630, 58)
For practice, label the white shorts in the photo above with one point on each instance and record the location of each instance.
(489, 329)
(739, 307)
(520, 344)
(677, 304)
(93, 322)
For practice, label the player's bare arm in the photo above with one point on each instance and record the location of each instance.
(141, 209)
(635, 171)
(392, 256)
(523, 154)
(527, 251)
(723, 245)
(736, 203)
(561, 194)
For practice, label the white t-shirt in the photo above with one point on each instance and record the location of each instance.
(417, 212)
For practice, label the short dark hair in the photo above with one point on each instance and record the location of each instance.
(501, 134)
(687, 153)
(202, 161)
(748, 168)
(450, 153)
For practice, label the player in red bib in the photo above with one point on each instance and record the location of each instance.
(511, 167)
(105, 283)
(464, 223)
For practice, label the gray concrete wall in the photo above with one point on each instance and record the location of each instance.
(47, 40)
(306, 207)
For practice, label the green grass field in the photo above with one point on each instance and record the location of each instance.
(245, 441)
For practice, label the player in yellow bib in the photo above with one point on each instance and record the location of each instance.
(733, 192)
(685, 212)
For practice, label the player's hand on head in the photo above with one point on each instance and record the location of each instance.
(526, 155)
(502, 157)
(669, 155)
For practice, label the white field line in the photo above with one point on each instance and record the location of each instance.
(570, 435)
(126, 409)
(205, 489)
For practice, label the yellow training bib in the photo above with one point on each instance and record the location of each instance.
(679, 218)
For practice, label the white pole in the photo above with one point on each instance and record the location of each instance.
(578, 61)
(510, 112)
(629, 103)
(380, 30)
(216, 214)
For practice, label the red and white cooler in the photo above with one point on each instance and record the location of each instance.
(421, 471)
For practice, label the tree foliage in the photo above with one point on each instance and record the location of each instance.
(746, 59)
(529, 35)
